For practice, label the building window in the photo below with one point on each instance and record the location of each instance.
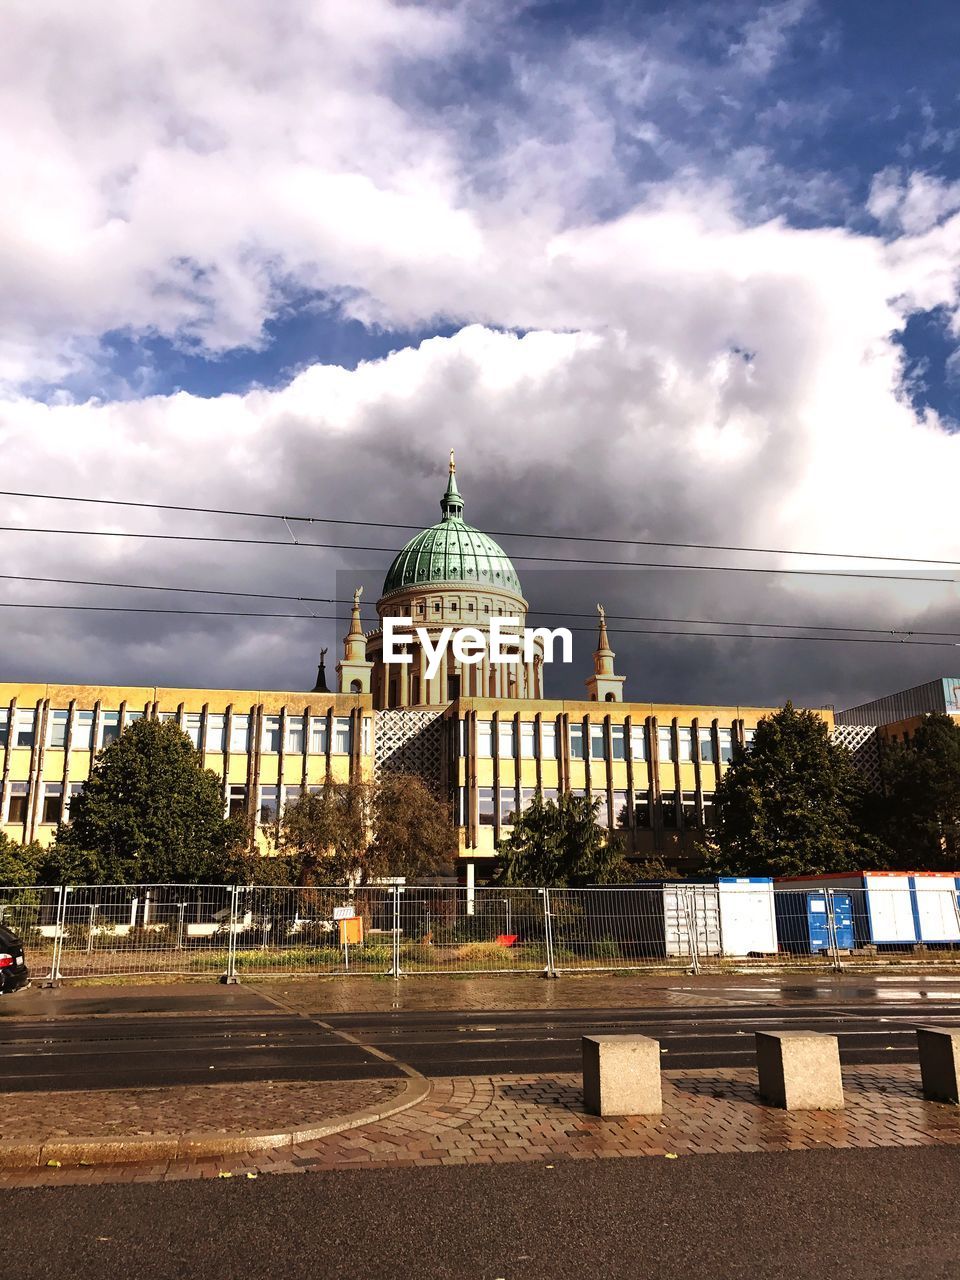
(688, 807)
(618, 742)
(527, 744)
(638, 742)
(57, 732)
(216, 731)
(668, 807)
(130, 717)
(109, 727)
(240, 733)
(341, 736)
(506, 743)
(165, 716)
(237, 801)
(318, 735)
(725, 739)
(291, 795)
(508, 806)
(748, 737)
(707, 753)
(367, 735)
(23, 733)
(641, 808)
(549, 793)
(576, 742)
(527, 795)
(485, 806)
(548, 741)
(52, 798)
(192, 727)
(268, 804)
(621, 810)
(270, 742)
(484, 740)
(709, 810)
(603, 809)
(295, 735)
(665, 743)
(4, 726)
(83, 730)
(17, 803)
(73, 790)
(685, 745)
(598, 745)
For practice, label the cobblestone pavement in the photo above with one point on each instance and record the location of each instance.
(498, 1119)
(235, 1109)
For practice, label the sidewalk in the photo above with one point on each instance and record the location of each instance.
(511, 1119)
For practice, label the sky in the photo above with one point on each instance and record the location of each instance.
(686, 272)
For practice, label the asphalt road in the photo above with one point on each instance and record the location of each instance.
(185, 1036)
(849, 1215)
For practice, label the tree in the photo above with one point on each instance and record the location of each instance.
(325, 834)
(791, 804)
(413, 831)
(558, 842)
(18, 862)
(149, 813)
(920, 810)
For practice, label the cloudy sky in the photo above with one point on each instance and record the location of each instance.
(686, 272)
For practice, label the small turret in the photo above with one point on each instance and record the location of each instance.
(353, 670)
(604, 685)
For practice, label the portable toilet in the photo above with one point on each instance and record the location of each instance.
(935, 906)
(803, 923)
(882, 902)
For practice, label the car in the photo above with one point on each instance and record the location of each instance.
(14, 973)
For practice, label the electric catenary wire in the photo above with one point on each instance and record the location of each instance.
(608, 564)
(495, 533)
(557, 613)
(623, 631)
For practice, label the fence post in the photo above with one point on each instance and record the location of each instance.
(231, 974)
(832, 932)
(551, 969)
(690, 912)
(54, 977)
(395, 933)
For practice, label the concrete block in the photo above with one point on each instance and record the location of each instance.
(940, 1063)
(799, 1070)
(621, 1076)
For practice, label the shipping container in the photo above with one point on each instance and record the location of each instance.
(803, 922)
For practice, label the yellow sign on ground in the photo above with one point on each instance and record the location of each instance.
(351, 931)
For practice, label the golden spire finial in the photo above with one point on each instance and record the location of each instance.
(453, 465)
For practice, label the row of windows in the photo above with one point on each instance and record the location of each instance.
(672, 744)
(22, 732)
(677, 809)
(51, 802)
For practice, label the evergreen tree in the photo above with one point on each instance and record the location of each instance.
(791, 804)
(559, 842)
(150, 813)
(921, 806)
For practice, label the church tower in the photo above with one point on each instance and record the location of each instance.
(604, 685)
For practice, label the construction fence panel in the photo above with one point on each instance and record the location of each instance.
(322, 930)
(466, 930)
(118, 930)
(630, 927)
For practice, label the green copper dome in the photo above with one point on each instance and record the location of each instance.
(452, 551)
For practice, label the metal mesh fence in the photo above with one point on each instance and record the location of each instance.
(225, 931)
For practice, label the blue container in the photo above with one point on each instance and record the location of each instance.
(802, 922)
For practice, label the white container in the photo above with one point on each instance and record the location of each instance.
(937, 914)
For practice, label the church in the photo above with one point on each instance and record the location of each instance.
(485, 734)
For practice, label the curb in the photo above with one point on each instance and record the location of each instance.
(17, 1154)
